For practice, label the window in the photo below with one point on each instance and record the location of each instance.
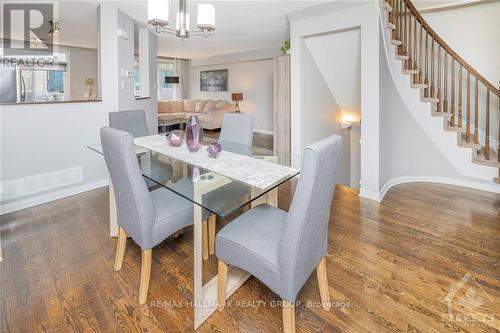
(166, 91)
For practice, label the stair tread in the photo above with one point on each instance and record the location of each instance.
(419, 85)
(479, 158)
(395, 41)
(462, 142)
(430, 99)
(448, 127)
(410, 71)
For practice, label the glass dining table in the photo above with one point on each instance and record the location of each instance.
(239, 177)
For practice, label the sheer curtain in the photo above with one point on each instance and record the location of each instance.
(171, 67)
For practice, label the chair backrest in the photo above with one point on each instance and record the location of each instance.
(133, 122)
(134, 207)
(236, 134)
(304, 241)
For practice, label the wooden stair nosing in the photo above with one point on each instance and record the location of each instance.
(449, 128)
(395, 42)
(410, 71)
(429, 99)
(479, 158)
(391, 26)
(387, 7)
(440, 114)
(419, 86)
(462, 142)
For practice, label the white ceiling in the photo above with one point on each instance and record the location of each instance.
(240, 25)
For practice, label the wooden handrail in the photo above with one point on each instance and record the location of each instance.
(449, 50)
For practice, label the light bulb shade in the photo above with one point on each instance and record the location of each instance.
(158, 12)
(182, 21)
(237, 96)
(206, 17)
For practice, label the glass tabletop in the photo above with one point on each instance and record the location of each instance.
(238, 176)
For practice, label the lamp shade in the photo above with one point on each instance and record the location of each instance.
(171, 79)
(158, 12)
(237, 96)
(206, 16)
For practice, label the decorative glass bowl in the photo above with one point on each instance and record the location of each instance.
(175, 138)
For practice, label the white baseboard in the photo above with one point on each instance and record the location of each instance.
(367, 194)
(263, 131)
(51, 196)
(478, 185)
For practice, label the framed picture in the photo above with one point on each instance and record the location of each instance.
(213, 80)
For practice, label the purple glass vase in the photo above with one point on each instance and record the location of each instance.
(214, 149)
(175, 138)
(194, 134)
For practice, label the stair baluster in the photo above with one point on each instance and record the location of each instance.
(476, 114)
(445, 84)
(426, 90)
(415, 66)
(452, 94)
(403, 39)
(460, 88)
(410, 45)
(467, 127)
(487, 129)
(420, 57)
(439, 72)
(432, 69)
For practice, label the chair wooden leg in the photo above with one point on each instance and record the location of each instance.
(145, 275)
(120, 248)
(211, 234)
(288, 317)
(204, 238)
(221, 284)
(323, 284)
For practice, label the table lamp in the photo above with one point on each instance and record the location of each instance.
(237, 97)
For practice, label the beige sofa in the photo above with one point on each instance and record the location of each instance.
(209, 112)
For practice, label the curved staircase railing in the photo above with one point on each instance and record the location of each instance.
(447, 81)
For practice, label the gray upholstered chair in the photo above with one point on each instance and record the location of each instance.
(282, 249)
(133, 122)
(236, 136)
(147, 217)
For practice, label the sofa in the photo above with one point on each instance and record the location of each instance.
(209, 112)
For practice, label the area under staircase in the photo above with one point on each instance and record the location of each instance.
(467, 102)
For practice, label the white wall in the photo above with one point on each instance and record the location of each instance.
(322, 113)
(127, 101)
(474, 33)
(338, 56)
(336, 17)
(41, 142)
(82, 66)
(254, 78)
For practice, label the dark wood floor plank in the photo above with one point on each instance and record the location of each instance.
(393, 262)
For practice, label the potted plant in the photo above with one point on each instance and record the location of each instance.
(286, 46)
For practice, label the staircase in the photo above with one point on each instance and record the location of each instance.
(453, 88)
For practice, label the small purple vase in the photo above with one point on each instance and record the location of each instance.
(214, 149)
(194, 134)
(175, 138)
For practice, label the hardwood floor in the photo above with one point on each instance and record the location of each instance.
(392, 263)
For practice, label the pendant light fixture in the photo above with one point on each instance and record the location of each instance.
(158, 18)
